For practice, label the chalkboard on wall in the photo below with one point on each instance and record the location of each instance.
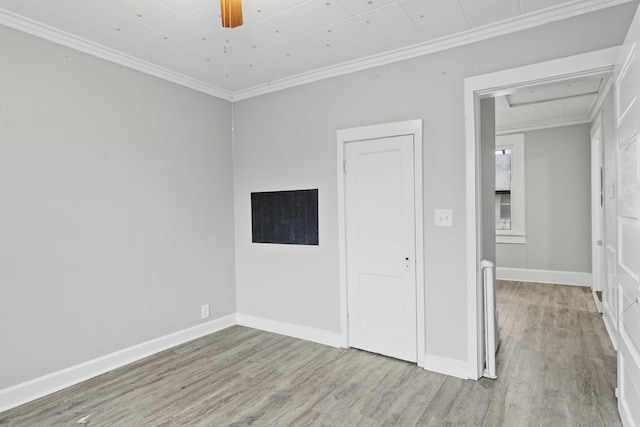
(286, 217)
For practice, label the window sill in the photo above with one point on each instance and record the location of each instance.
(516, 239)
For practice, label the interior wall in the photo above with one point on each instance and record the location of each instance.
(488, 177)
(287, 140)
(557, 203)
(116, 207)
(487, 200)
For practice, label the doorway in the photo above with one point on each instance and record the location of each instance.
(380, 239)
(491, 85)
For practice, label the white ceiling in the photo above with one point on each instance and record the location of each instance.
(183, 41)
(567, 102)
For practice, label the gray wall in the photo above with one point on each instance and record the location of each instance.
(116, 207)
(487, 202)
(557, 202)
(488, 177)
(287, 140)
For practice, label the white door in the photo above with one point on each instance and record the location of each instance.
(628, 264)
(380, 237)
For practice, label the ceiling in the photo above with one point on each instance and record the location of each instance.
(282, 42)
(568, 102)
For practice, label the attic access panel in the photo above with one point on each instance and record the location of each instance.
(285, 217)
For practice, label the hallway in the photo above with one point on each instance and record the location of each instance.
(555, 356)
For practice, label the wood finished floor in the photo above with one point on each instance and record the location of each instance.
(556, 367)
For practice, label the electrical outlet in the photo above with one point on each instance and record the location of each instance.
(204, 311)
(443, 218)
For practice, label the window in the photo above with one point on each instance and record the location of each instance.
(503, 189)
(510, 189)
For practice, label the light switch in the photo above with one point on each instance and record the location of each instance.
(443, 218)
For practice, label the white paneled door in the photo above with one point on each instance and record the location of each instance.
(380, 237)
(628, 210)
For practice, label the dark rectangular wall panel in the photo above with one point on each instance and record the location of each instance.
(285, 217)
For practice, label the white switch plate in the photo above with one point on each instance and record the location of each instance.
(204, 311)
(443, 217)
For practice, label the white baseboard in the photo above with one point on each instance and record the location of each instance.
(597, 301)
(544, 276)
(447, 366)
(320, 336)
(623, 410)
(608, 324)
(22, 393)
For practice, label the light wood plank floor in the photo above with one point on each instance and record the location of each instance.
(556, 367)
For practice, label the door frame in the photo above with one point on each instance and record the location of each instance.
(490, 85)
(598, 256)
(363, 133)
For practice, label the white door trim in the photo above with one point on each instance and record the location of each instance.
(598, 264)
(410, 127)
(494, 84)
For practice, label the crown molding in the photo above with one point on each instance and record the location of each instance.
(46, 32)
(523, 22)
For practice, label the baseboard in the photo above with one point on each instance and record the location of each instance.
(320, 336)
(22, 393)
(597, 301)
(544, 276)
(442, 365)
(623, 410)
(447, 366)
(611, 331)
